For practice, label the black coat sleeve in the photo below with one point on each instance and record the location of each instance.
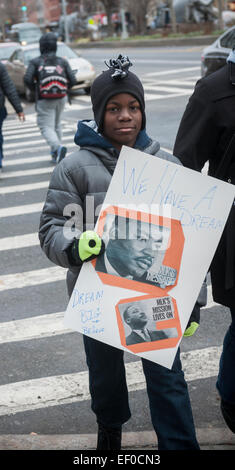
(9, 89)
(196, 138)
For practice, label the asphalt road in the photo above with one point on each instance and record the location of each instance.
(43, 373)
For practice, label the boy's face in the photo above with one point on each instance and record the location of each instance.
(122, 120)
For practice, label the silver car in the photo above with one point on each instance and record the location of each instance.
(19, 61)
(214, 56)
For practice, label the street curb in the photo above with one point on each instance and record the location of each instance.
(190, 41)
(208, 438)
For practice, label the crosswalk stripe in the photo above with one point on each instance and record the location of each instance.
(57, 390)
(21, 210)
(19, 241)
(32, 278)
(40, 141)
(149, 97)
(43, 146)
(24, 187)
(172, 71)
(23, 161)
(32, 172)
(169, 89)
(32, 328)
(8, 137)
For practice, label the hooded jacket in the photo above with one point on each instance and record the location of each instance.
(48, 47)
(82, 179)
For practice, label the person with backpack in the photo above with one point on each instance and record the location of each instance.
(207, 134)
(7, 89)
(117, 97)
(50, 77)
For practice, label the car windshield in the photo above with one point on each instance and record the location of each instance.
(62, 51)
(65, 51)
(228, 40)
(5, 52)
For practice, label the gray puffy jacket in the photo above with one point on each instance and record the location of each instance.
(81, 179)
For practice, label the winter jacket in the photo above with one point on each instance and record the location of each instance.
(86, 172)
(7, 88)
(48, 55)
(205, 134)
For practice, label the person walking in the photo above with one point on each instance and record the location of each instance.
(117, 97)
(50, 77)
(7, 89)
(207, 134)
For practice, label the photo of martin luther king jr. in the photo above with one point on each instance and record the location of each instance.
(134, 249)
(136, 318)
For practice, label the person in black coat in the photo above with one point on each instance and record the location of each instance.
(7, 89)
(207, 134)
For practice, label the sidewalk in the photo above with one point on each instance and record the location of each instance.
(204, 40)
(209, 439)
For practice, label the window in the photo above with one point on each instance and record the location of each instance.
(228, 40)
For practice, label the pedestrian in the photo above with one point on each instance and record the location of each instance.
(117, 97)
(207, 134)
(7, 89)
(50, 77)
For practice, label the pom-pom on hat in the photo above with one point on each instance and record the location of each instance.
(117, 79)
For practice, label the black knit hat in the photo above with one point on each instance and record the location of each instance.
(117, 79)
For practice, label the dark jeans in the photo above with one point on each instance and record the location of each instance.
(226, 377)
(3, 115)
(167, 390)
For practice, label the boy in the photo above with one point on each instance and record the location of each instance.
(117, 97)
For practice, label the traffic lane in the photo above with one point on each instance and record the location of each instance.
(145, 59)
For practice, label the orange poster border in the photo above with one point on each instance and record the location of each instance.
(153, 345)
(172, 256)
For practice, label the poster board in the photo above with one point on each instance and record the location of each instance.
(161, 224)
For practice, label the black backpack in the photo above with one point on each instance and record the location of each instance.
(52, 80)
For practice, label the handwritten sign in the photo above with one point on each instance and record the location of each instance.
(161, 224)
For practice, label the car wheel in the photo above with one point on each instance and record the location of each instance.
(87, 90)
(29, 95)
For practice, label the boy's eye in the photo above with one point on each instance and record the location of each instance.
(113, 109)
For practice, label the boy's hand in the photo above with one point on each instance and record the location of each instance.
(89, 245)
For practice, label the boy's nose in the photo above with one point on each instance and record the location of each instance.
(125, 114)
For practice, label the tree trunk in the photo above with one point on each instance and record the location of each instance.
(172, 17)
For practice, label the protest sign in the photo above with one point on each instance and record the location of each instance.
(161, 224)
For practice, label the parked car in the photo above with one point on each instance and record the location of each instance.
(19, 61)
(6, 50)
(25, 33)
(214, 56)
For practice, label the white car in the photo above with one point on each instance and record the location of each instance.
(19, 61)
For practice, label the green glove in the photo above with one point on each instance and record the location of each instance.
(87, 247)
(191, 329)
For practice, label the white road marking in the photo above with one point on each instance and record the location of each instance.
(172, 71)
(32, 172)
(24, 187)
(23, 161)
(32, 278)
(32, 328)
(43, 146)
(21, 210)
(57, 390)
(19, 241)
(40, 141)
(168, 89)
